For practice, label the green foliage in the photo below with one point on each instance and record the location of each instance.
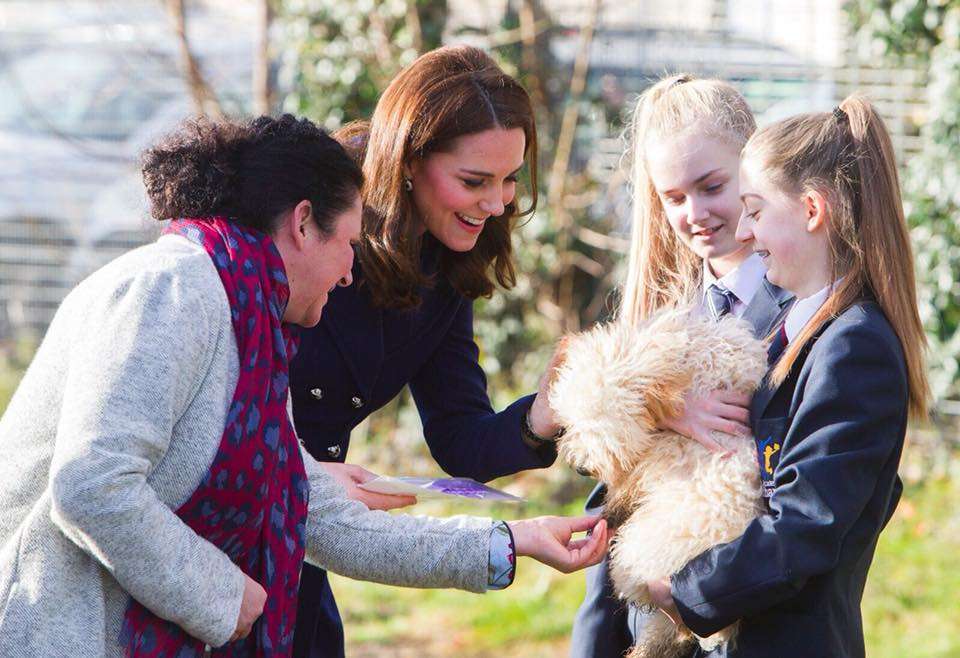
(930, 29)
(342, 53)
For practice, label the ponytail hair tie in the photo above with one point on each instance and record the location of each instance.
(839, 115)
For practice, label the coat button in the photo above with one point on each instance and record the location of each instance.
(333, 451)
(317, 393)
(357, 402)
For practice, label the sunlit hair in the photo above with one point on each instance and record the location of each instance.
(848, 157)
(446, 93)
(662, 271)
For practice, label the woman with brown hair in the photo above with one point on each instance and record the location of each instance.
(441, 158)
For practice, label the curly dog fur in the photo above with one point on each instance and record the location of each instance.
(669, 498)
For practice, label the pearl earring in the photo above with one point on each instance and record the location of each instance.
(408, 184)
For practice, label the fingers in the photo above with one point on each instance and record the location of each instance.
(384, 502)
(359, 474)
(703, 438)
(733, 412)
(582, 523)
(735, 398)
(589, 551)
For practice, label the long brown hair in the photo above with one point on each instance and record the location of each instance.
(847, 156)
(444, 94)
(662, 271)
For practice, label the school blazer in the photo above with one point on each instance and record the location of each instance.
(835, 431)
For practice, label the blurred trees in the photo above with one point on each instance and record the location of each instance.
(929, 30)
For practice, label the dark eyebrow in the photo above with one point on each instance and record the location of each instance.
(487, 174)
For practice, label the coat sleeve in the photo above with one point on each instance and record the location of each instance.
(466, 437)
(139, 355)
(843, 436)
(345, 537)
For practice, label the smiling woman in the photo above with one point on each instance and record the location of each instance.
(442, 157)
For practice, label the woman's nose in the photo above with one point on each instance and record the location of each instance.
(494, 204)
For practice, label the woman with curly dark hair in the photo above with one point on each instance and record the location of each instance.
(442, 157)
(154, 498)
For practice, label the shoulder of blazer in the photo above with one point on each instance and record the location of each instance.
(861, 324)
(863, 316)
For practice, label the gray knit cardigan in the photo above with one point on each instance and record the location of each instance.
(112, 428)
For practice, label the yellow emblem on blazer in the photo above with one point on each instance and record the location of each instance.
(768, 452)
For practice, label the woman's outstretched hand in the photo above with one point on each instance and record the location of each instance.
(549, 539)
(351, 475)
(722, 411)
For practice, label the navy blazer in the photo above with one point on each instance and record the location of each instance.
(835, 429)
(604, 626)
(356, 360)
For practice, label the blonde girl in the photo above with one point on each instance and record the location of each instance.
(686, 138)
(822, 207)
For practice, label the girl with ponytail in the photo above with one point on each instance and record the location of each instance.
(822, 207)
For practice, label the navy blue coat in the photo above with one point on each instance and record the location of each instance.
(356, 360)
(795, 578)
(604, 626)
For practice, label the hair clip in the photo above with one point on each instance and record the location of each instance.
(679, 81)
(839, 114)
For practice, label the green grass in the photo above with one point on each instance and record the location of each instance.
(912, 602)
(911, 605)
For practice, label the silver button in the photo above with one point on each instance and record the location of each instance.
(333, 451)
(357, 402)
(317, 393)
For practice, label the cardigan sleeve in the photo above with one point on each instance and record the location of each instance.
(345, 537)
(140, 353)
(836, 455)
(466, 437)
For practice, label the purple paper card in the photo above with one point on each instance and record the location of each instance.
(438, 487)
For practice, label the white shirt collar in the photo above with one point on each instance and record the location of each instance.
(744, 281)
(804, 309)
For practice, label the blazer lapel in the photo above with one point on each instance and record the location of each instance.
(357, 329)
(767, 308)
(763, 396)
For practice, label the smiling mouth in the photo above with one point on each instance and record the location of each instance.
(707, 232)
(470, 221)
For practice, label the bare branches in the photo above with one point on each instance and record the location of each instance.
(204, 99)
(264, 90)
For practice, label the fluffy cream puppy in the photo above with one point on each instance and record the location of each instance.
(668, 497)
